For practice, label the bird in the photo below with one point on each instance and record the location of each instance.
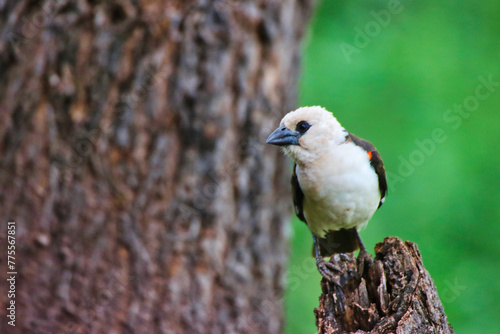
(338, 182)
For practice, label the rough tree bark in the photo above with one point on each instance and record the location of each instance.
(132, 161)
(395, 295)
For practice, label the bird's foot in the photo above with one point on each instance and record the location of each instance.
(330, 271)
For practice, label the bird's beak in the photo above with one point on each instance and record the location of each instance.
(282, 137)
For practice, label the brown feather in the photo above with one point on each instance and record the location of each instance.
(341, 241)
(298, 196)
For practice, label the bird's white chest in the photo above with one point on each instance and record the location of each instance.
(340, 191)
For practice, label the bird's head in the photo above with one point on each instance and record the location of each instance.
(306, 132)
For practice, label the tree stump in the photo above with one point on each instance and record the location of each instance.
(394, 295)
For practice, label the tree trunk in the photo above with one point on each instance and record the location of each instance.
(395, 295)
(133, 162)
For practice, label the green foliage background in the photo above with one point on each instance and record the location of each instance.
(395, 91)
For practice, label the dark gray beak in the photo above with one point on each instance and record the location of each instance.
(282, 137)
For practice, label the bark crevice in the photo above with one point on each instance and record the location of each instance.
(133, 159)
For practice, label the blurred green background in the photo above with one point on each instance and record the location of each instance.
(394, 78)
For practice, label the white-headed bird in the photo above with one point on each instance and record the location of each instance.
(338, 181)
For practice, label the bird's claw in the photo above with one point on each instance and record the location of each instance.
(329, 271)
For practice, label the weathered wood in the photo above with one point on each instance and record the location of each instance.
(395, 295)
(132, 158)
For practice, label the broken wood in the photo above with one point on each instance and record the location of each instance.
(394, 295)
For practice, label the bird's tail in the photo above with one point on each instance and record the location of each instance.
(341, 241)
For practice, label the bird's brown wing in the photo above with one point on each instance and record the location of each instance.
(298, 196)
(375, 161)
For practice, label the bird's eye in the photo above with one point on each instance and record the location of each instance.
(302, 126)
